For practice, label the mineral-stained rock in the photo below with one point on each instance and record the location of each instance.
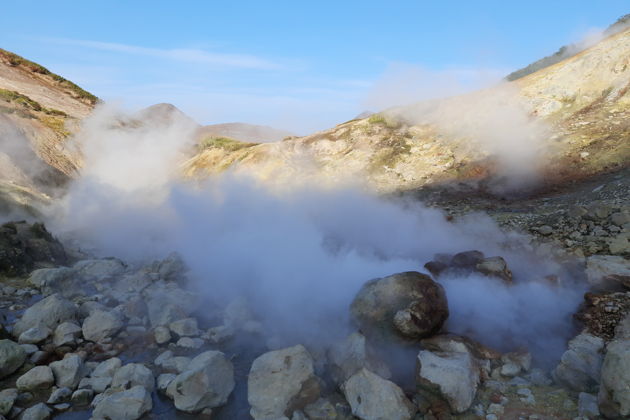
(614, 393)
(579, 367)
(281, 382)
(125, 405)
(207, 382)
(452, 376)
(12, 357)
(374, 398)
(410, 304)
(602, 312)
(496, 267)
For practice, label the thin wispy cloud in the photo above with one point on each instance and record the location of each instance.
(189, 55)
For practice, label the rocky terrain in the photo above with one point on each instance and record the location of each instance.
(84, 336)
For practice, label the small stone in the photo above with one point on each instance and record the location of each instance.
(7, 398)
(59, 395)
(66, 334)
(34, 335)
(162, 335)
(12, 357)
(186, 327)
(37, 412)
(82, 397)
(545, 230)
(40, 377)
(189, 343)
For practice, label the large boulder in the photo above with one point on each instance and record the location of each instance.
(12, 357)
(410, 304)
(40, 377)
(125, 405)
(281, 382)
(451, 376)
(25, 246)
(99, 269)
(614, 392)
(374, 398)
(69, 371)
(351, 355)
(47, 313)
(54, 280)
(608, 272)
(207, 382)
(579, 367)
(101, 325)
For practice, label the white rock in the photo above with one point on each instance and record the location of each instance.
(69, 371)
(37, 412)
(162, 335)
(101, 325)
(280, 382)
(107, 368)
(39, 377)
(134, 374)
(34, 335)
(352, 355)
(579, 367)
(374, 398)
(207, 382)
(125, 405)
(66, 333)
(614, 393)
(454, 375)
(48, 312)
(186, 327)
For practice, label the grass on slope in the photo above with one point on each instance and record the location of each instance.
(17, 61)
(28, 103)
(225, 143)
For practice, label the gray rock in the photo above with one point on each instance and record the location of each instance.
(90, 306)
(453, 375)
(587, 405)
(579, 367)
(163, 357)
(176, 364)
(189, 343)
(37, 412)
(351, 355)
(166, 305)
(99, 270)
(101, 325)
(125, 405)
(7, 398)
(409, 303)
(545, 230)
(66, 334)
(614, 393)
(69, 371)
(495, 267)
(12, 357)
(59, 395)
(374, 398)
(164, 380)
(281, 382)
(134, 374)
(55, 280)
(186, 327)
(107, 368)
(322, 409)
(620, 218)
(82, 397)
(162, 335)
(206, 383)
(48, 312)
(29, 348)
(39, 377)
(620, 244)
(34, 335)
(608, 272)
(97, 385)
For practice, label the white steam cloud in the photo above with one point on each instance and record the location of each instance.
(299, 257)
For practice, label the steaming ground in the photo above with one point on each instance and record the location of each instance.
(299, 255)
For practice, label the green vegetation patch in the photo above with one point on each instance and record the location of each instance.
(225, 143)
(28, 103)
(384, 120)
(79, 93)
(57, 124)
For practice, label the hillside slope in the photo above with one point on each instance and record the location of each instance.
(569, 120)
(38, 112)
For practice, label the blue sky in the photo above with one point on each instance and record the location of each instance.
(302, 66)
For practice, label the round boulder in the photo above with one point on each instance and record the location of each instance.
(410, 304)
